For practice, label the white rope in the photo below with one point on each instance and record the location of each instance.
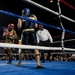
(49, 10)
(34, 54)
(18, 54)
(64, 41)
(62, 53)
(7, 45)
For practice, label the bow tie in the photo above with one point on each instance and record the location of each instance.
(41, 29)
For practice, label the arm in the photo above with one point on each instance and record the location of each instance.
(35, 18)
(49, 36)
(19, 24)
(37, 37)
(5, 33)
(15, 34)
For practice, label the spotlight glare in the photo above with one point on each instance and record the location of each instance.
(51, 1)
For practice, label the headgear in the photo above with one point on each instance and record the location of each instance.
(26, 12)
(11, 25)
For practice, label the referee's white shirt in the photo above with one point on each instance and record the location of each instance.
(43, 35)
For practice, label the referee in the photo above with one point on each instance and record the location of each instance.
(44, 38)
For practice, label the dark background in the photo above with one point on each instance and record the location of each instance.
(15, 7)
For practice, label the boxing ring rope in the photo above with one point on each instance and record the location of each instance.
(47, 9)
(63, 32)
(64, 41)
(7, 45)
(67, 4)
(48, 25)
(58, 36)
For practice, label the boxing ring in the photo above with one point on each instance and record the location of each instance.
(29, 66)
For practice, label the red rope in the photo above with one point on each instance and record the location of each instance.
(58, 36)
(68, 4)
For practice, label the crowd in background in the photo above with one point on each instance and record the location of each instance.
(30, 56)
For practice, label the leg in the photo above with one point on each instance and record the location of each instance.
(42, 56)
(49, 54)
(37, 54)
(37, 57)
(10, 56)
(41, 43)
(21, 55)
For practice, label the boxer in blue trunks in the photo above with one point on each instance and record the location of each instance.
(28, 36)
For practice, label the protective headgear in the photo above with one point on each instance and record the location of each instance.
(11, 26)
(26, 12)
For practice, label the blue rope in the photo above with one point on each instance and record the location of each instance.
(48, 25)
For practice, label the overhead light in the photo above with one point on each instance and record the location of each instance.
(51, 1)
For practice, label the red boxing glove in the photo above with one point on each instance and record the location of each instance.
(7, 34)
(10, 35)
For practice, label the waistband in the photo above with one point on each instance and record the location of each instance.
(30, 29)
